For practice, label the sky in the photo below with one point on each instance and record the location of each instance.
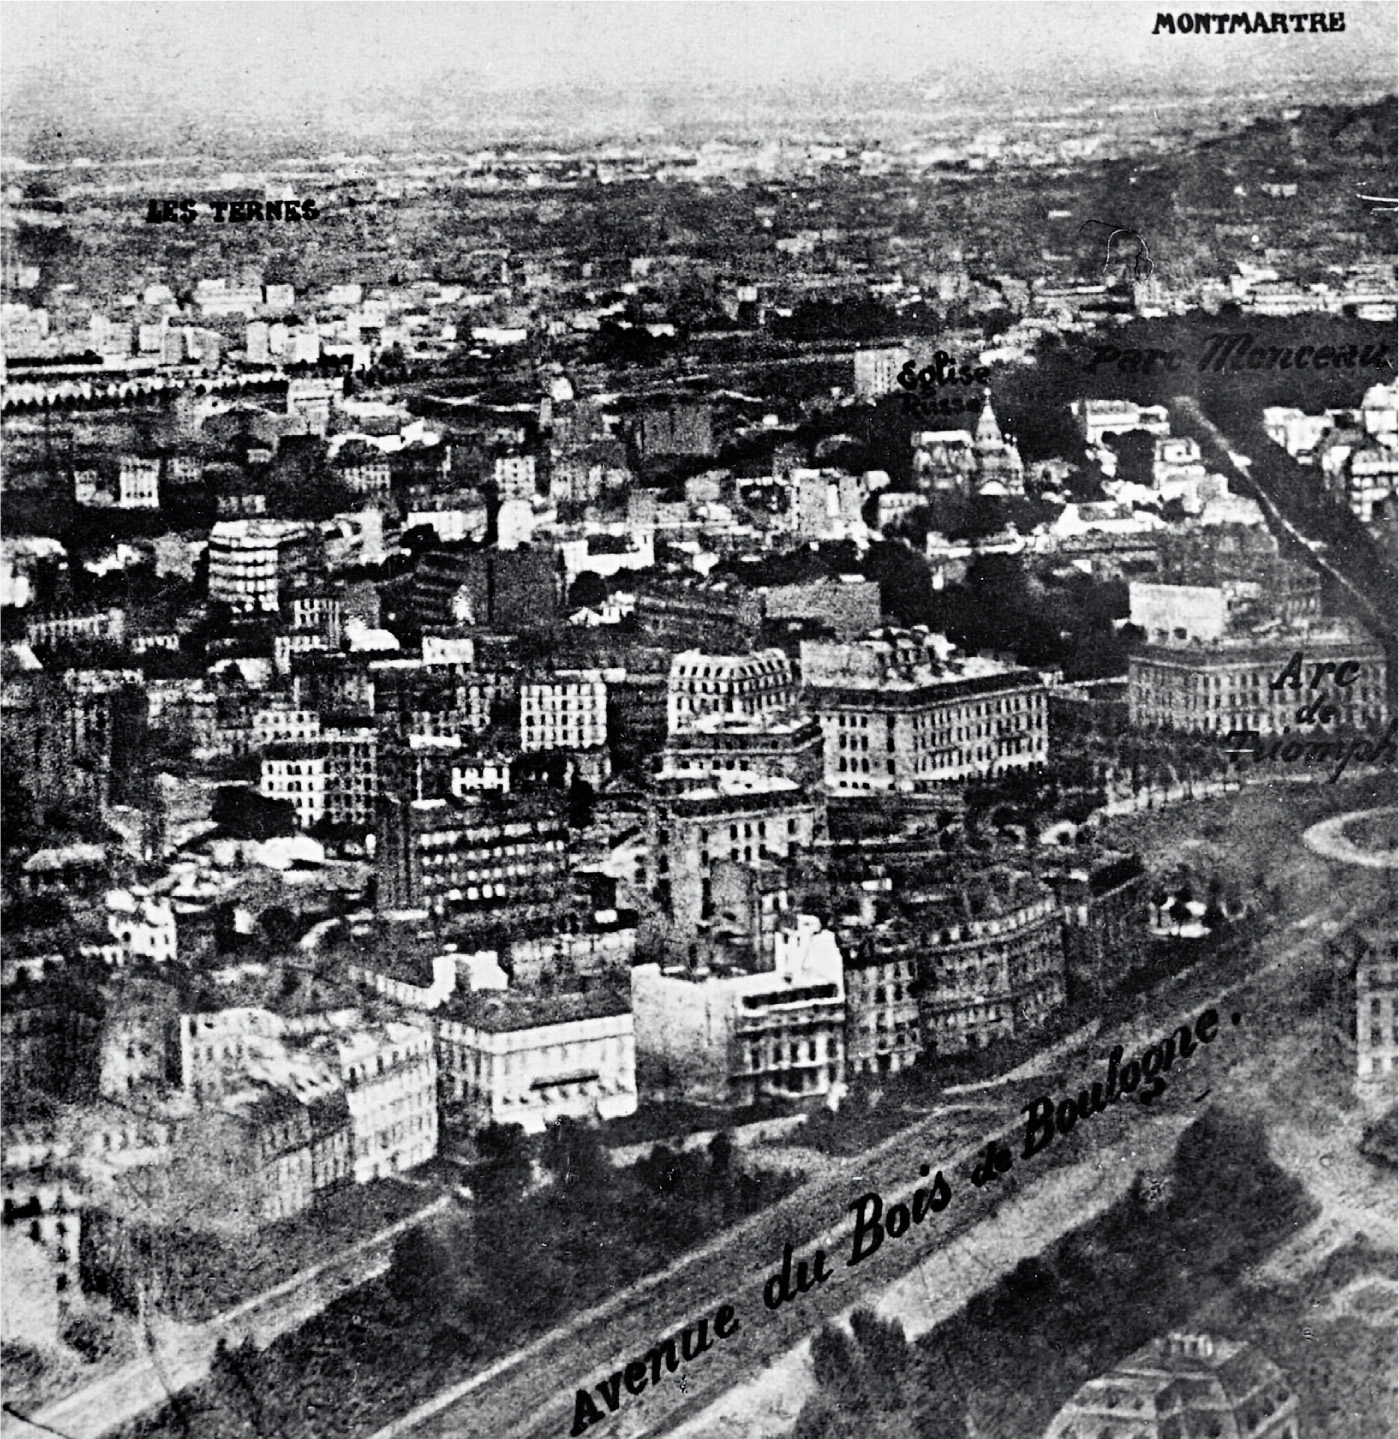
(283, 57)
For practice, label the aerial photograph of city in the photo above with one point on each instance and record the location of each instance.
(699, 720)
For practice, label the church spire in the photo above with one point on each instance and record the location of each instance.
(988, 432)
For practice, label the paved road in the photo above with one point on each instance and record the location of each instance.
(1329, 840)
(937, 1288)
(181, 1355)
(531, 1395)
(1355, 1199)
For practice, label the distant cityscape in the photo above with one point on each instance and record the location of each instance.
(494, 666)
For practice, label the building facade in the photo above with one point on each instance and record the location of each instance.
(740, 686)
(993, 976)
(439, 856)
(1213, 688)
(743, 818)
(255, 564)
(299, 775)
(390, 1076)
(1365, 969)
(892, 721)
(781, 745)
(507, 1059)
(730, 1038)
(565, 711)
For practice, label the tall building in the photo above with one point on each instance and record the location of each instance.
(733, 1037)
(993, 965)
(298, 774)
(312, 399)
(1103, 914)
(883, 1030)
(564, 711)
(1365, 967)
(257, 564)
(877, 371)
(900, 716)
(785, 746)
(515, 477)
(740, 817)
(138, 483)
(106, 714)
(503, 590)
(507, 859)
(1202, 675)
(389, 1072)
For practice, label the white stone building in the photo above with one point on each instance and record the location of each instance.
(511, 1060)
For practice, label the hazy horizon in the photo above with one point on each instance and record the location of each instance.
(374, 68)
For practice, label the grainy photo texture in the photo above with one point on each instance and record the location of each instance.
(699, 725)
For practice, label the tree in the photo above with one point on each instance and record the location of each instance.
(505, 1170)
(589, 591)
(885, 1351)
(721, 1153)
(245, 814)
(580, 803)
(21, 829)
(839, 1371)
(1380, 1141)
(573, 1155)
(280, 926)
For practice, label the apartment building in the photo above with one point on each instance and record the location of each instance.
(512, 1059)
(897, 718)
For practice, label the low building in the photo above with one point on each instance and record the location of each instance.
(44, 1209)
(606, 555)
(509, 1059)
(475, 772)
(144, 927)
(730, 1038)
(281, 724)
(1097, 419)
(47, 627)
(1183, 1385)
